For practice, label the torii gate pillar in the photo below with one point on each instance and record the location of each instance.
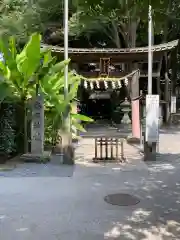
(136, 130)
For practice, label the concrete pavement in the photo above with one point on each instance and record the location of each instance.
(52, 202)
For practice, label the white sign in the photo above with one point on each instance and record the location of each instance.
(152, 118)
(173, 104)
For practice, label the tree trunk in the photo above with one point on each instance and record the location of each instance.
(116, 39)
(130, 30)
(167, 97)
(132, 33)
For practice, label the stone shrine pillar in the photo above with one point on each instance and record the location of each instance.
(37, 126)
(37, 153)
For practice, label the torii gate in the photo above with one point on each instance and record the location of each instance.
(133, 57)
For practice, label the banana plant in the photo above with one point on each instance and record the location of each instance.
(21, 73)
(52, 86)
(16, 72)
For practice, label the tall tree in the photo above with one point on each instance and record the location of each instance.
(120, 23)
(120, 20)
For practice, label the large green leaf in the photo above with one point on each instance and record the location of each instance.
(28, 60)
(73, 91)
(81, 117)
(60, 66)
(78, 126)
(72, 78)
(47, 57)
(5, 70)
(12, 45)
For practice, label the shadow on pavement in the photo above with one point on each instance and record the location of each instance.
(170, 130)
(158, 217)
(40, 170)
(155, 218)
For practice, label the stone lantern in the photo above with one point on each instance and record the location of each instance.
(126, 108)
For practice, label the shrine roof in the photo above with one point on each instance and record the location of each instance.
(117, 53)
(155, 48)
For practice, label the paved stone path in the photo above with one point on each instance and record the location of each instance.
(85, 150)
(53, 202)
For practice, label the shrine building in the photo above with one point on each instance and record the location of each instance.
(109, 76)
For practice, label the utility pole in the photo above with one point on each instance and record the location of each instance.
(66, 137)
(150, 50)
(66, 85)
(152, 102)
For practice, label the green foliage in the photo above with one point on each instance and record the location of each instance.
(88, 18)
(7, 124)
(52, 86)
(18, 17)
(22, 72)
(115, 18)
(19, 70)
(21, 18)
(56, 105)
